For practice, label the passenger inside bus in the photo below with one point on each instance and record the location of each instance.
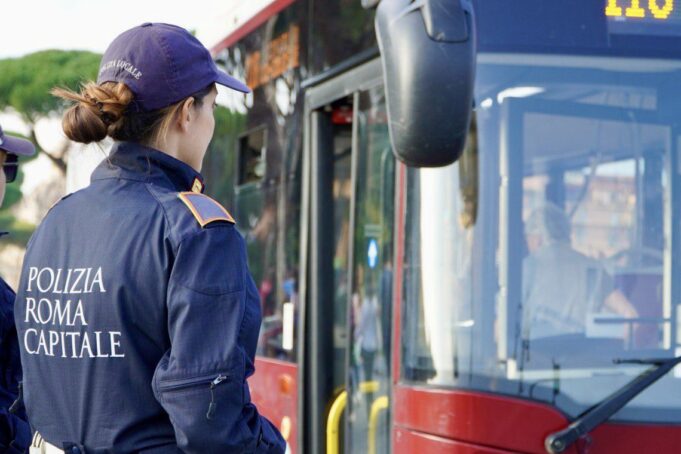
(562, 286)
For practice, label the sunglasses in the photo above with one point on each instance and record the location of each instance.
(10, 167)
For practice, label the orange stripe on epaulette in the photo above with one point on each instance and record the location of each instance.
(205, 209)
(197, 186)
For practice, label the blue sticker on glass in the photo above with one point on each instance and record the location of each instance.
(372, 254)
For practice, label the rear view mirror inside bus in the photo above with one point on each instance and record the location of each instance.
(428, 51)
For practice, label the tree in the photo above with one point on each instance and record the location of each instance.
(25, 85)
(219, 168)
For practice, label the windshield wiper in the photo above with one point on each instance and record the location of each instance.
(559, 441)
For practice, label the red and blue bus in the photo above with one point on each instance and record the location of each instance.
(524, 298)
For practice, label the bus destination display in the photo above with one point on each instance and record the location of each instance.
(644, 17)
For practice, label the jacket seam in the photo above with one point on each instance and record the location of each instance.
(118, 177)
(163, 209)
(201, 229)
(205, 293)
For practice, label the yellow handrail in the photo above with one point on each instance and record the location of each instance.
(335, 412)
(369, 386)
(333, 423)
(379, 405)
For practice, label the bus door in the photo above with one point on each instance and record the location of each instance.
(350, 182)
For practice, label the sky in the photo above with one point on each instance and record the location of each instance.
(32, 25)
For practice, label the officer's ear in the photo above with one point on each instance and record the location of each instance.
(187, 114)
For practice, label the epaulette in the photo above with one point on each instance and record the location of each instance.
(59, 200)
(205, 209)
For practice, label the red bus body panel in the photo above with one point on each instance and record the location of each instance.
(430, 420)
(408, 441)
(274, 390)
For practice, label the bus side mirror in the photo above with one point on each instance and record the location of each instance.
(428, 51)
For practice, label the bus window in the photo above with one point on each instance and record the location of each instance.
(584, 255)
(276, 279)
(267, 212)
(252, 147)
(438, 316)
(341, 29)
(591, 219)
(567, 264)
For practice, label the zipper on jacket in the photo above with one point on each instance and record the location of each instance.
(179, 384)
(169, 385)
(213, 405)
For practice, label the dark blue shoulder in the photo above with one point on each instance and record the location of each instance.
(6, 293)
(6, 307)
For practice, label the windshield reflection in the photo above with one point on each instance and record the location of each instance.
(560, 259)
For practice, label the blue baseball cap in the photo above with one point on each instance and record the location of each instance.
(15, 145)
(161, 64)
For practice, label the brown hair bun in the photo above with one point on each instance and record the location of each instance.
(97, 111)
(103, 110)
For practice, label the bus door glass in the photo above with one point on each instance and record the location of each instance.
(352, 237)
(372, 279)
(335, 136)
(341, 119)
(327, 341)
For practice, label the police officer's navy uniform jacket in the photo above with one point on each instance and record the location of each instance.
(138, 318)
(15, 434)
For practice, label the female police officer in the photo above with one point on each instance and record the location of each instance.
(136, 313)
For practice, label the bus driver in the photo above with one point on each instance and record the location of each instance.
(560, 285)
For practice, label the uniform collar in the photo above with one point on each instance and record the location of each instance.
(132, 161)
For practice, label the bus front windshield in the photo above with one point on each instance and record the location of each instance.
(553, 248)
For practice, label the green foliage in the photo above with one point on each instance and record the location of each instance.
(19, 231)
(13, 191)
(359, 21)
(219, 167)
(25, 82)
(25, 85)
